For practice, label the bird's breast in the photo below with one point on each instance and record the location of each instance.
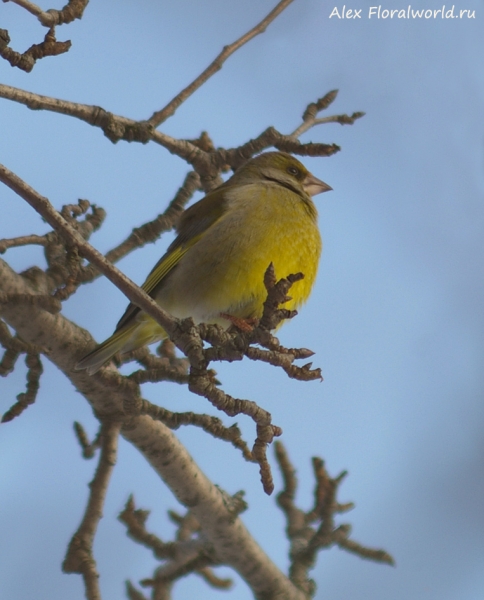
(224, 270)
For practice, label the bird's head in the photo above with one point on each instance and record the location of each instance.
(281, 168)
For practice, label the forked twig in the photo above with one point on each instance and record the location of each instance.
(306, 541)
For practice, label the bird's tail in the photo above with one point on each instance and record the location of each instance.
(131, 336)
(93, 361)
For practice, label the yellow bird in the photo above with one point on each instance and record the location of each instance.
(215, 267)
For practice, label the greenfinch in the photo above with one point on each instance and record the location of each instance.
(214, 270)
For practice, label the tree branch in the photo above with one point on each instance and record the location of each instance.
(307, 541)
(312, 110)
(51, 17)
(79, 557)
(115, 127)
(162, 115)
(189, 553)
(26, 61)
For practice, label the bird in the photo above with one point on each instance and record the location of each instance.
(214, 269)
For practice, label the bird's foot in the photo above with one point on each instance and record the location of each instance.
(244, 325)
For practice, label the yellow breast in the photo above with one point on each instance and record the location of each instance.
(224, 270)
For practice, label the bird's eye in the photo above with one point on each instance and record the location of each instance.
(293, 171)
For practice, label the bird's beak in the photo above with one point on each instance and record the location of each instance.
(312, 185)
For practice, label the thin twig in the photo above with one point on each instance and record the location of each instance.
(212, 425)
(162, 115)
(88, 448)
(307, 541)
(135, 521)
(132, 593)
(29, 6)
(26, 60)
(341, 119)
(79, 557)
(190, 553)
(312, 110)
(207, 164)
(72, 10)
(23, 240)
(114, 127)
(25, 399)
(213, 581)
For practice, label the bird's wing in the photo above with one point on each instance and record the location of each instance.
(193, 224)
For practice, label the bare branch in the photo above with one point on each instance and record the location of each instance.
(115, 127)
(271, 137)
(213, 581)
(88, 448)
(211, 425)
(362, 551)
(208, 164)
(160, 373)
(312, 110)
(23, 240)
(132, 593)
(135, 521)
(189, 340)
(72, 10)
(35, 369)
(48, 303)
(305, 540)
(29, 6)
(65, 265)
(190, 553)
(79, 557)
(162, 115)
(14, 346)
(26, 61)
(167, 366)
(341, 119)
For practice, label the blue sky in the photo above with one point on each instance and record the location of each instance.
(395, 318)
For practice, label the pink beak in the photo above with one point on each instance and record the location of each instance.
(312, 185)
